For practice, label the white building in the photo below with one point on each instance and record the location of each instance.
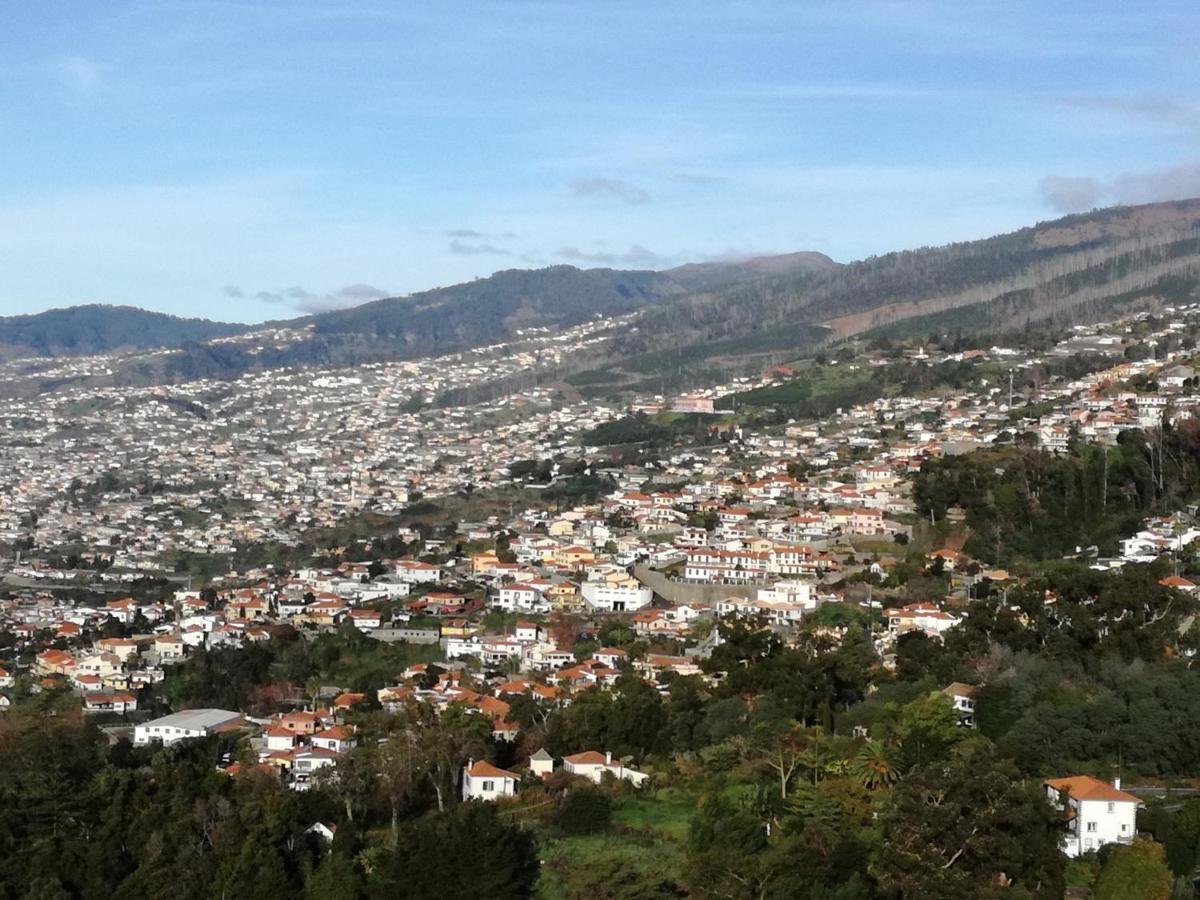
(180, 726)
(411, 572)
(1097, 812)
(615, 597)
(593, 765)
(522, 597)
(483, 781)
(963, 698)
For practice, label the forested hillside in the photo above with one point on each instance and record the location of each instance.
(1079, 267)
(694, 322)
(85, 330)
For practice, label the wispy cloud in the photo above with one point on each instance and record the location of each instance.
(299, 298)
(700, 179)
(1169, 111)
(1068, 194)
(462, 248)
(233, 292)
(637, 255)
(79, 73)
(612, 187)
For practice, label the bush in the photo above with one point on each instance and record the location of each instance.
(583, 810)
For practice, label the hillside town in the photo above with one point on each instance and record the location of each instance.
(808, 529)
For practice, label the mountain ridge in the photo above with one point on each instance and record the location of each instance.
(700, 317)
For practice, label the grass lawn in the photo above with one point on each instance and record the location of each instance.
(668, 811)
(647, 833)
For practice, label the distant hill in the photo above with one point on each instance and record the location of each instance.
(487, 309)
(698, 321)
(709, 276)
(1078, 268)
(84, 330)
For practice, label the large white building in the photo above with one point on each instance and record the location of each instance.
(1097, 812)
(615, 597)
(180, 726)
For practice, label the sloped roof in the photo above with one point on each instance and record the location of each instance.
(1085, 787)
(484, 769)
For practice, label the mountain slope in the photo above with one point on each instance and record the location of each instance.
(1076, 266)
(85, 330)
(484, 310)
(698, 321)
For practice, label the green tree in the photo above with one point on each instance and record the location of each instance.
(1136, 872)
(968, 826)
(337, 877)
(504, 860)
(584, 809)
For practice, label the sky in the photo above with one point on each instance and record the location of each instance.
(245, 161)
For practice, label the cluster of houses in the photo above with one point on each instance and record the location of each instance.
(483, 781)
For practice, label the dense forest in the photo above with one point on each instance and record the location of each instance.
(85, 330)
(1026, 504)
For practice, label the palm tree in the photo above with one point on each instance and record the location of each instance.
(873, 768)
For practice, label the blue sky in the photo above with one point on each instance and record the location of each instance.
(254, 160)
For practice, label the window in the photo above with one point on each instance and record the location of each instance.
(1124, 828)
(1091, 826)
(489, 785)
(1112, 807)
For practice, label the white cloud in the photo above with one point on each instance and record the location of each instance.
(303, 300)
(612, 187)
(79, 73)
(637, 255)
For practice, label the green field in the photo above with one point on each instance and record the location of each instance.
(647, 834)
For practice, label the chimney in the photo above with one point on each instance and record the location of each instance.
(470, 763)
(608, 757)
(1117, 782)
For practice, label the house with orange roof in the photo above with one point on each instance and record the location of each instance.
(279, 739)
(54, 662)
(483, 781)
(339, 739)
(1179, 583)
(1096, 813)
(593, 765)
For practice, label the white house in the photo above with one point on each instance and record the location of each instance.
(483, 781)
(593, 765)
(366, 619)
(190, 723)
(417, 572)
(339, 739)
(306, 763)
(614, 597)
(963, 698)
(541, 763)
(522, 597)
(105, 702)
(1097, 812)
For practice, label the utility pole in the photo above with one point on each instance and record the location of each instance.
(1010, 388)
